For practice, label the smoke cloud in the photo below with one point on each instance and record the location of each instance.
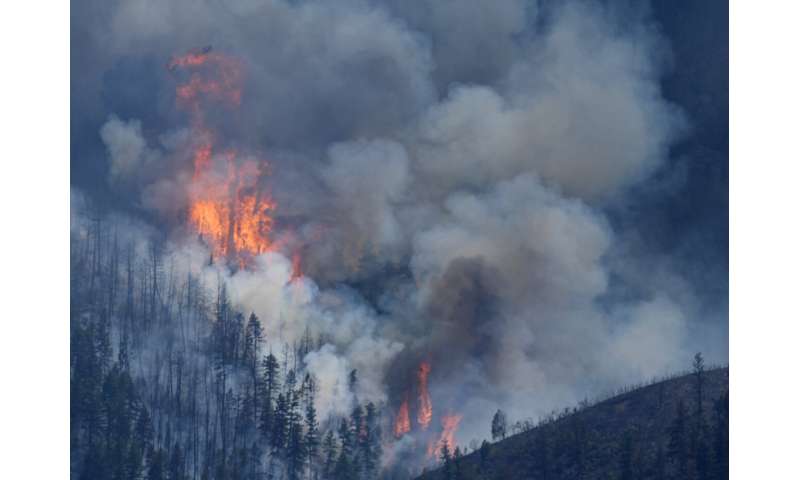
(443, 168)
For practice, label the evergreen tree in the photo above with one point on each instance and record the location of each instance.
(483, 454)
(698, 370)
(295, 454)
(329, 455)
(344, 466)
(359, 440)
(254, 462)
(252, 347)
(280, 427)
(142, 443)
(270, 384)
(447, 461)
(499, 425)
(352, 380)
(372, 450)
(312, 436)
(678, 448)
(457, 473)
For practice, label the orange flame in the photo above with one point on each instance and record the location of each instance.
(221, 78)
(402, 424)
(226, 209)
(447, 437)
(425, 411)
(297, 267)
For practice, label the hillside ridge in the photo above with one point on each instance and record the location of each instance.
(636, 434)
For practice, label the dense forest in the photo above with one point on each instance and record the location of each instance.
(329, 240)
(169, 382)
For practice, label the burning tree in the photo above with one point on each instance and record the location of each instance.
(227, 206)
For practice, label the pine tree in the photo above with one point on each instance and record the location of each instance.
(252, 342)
(499, 425)
(678, 448)
(296, 454)
(698, 369)
(359, 440)
(142, 442)
(270, 385)
(222, 327)
(254, 462)
(253, 339)
(344, 464)
(279, 434)
(447, 461)
(352, 381)
(329, 454)
(312, 436)
(457, 473)
(372, 444)
(483, 454)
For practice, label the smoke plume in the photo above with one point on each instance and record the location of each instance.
(440, 173)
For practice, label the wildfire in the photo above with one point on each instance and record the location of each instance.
(226, 207)
(297, 266)
(425, 411)
(402, 424)
(447, 437)
(213, 76)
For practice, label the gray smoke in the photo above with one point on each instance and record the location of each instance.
(455, 156)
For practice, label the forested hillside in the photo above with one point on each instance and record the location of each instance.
(171, 382)
(328, 240)
(168, 382)
(673, 429)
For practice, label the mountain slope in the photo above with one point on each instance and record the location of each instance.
(636, 435)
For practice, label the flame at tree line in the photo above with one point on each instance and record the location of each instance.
(229, 211)
(402, 424)
(449, 422)
(447, 437)
(425, 412)
(226, 206)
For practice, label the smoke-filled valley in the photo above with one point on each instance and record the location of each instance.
(344, 234)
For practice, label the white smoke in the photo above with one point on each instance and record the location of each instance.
(470, 146)
(128, 152)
